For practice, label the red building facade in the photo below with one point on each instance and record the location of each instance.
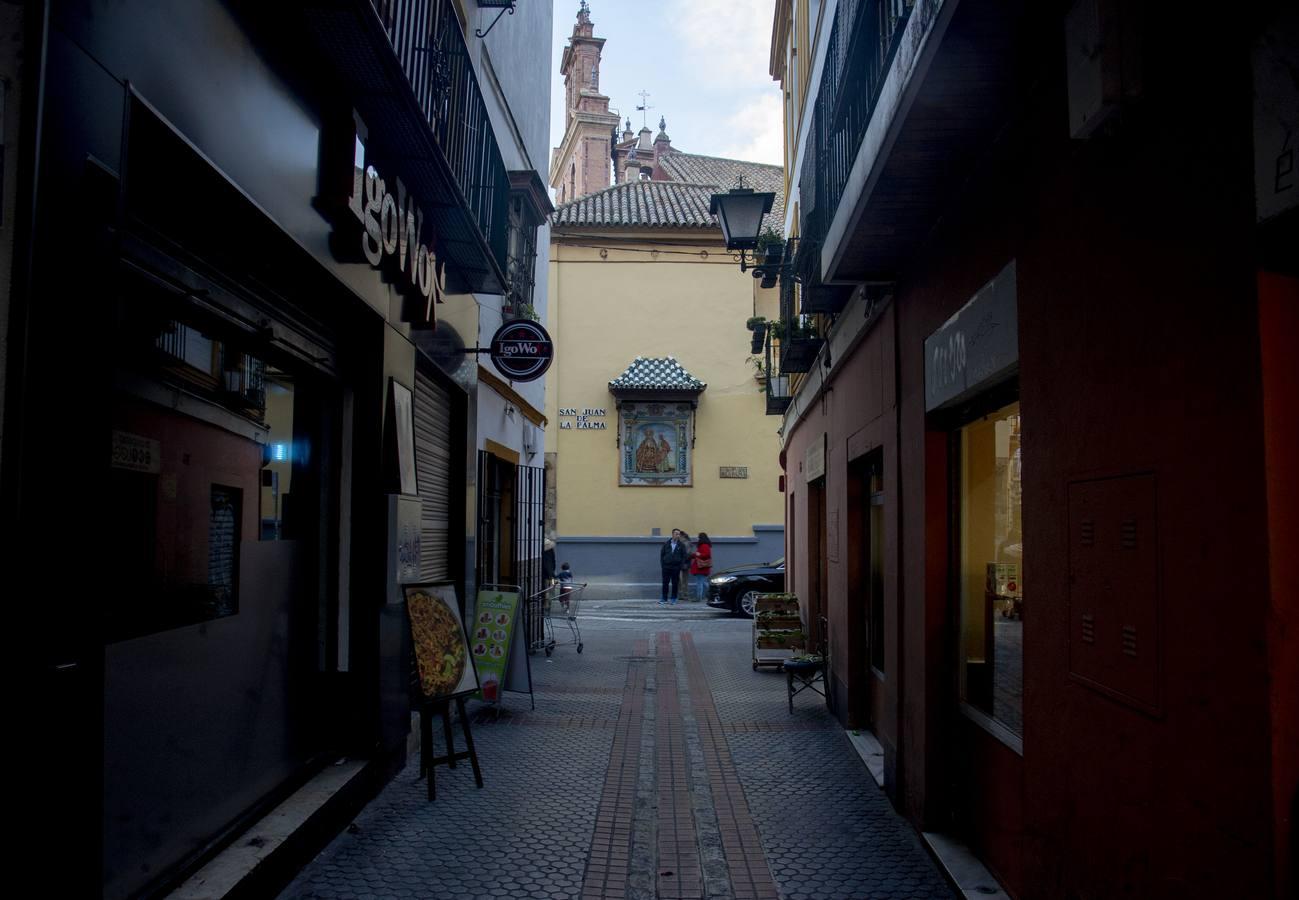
(1040, 479)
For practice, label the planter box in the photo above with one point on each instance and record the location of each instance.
(824, 298)
(788, 621)
(776, 406)
(799, 355)
(777, 629)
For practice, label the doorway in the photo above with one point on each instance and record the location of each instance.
(816, 562)
(495, 519)
(866, 587)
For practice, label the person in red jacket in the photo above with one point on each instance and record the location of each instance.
(701, 565)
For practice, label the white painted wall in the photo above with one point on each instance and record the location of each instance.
(514, 67)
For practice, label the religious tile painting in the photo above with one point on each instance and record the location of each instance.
(656, 439)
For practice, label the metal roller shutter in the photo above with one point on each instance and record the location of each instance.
(433, 467)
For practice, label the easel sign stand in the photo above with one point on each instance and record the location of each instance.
(499, 645)
(427, 761)
(446, 674)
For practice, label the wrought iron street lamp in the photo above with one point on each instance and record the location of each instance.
(740, 211)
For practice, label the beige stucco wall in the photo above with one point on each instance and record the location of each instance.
(604, 312)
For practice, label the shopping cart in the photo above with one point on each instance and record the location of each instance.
(559, 603)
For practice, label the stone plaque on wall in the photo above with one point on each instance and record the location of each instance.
(733, 472)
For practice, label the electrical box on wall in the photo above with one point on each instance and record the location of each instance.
(1114, 607)
(1102, 64)
(404, 522)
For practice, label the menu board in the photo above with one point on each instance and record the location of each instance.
(490, 639)
(439, 641)
(1003, 579)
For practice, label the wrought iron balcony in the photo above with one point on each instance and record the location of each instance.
(862, 43)
(413, 83)
(815, 298)
(910, 96)
(775, 387)
(796, 333)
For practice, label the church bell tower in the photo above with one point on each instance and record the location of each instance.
(582, 164)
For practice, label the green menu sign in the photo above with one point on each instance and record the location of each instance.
(491, 637)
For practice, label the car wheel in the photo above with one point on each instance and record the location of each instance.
(748, 604)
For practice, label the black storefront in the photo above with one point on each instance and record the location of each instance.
(198, 449)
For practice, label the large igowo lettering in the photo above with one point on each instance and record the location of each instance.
(392, 230)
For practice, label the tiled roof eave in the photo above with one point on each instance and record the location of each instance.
(659, 376)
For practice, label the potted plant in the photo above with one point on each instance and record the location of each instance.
(771, 247)
(799, 350)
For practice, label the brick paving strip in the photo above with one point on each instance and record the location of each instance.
(679, 876)
(609, 861)
(712, 851)
(750, 874)
(672, 822)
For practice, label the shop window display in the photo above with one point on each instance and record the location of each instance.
(990, 567)
(208, 443)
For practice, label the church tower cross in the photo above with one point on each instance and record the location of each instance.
(644, 107)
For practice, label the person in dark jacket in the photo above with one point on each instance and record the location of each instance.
(673, 556)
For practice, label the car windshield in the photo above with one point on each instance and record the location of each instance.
(777, 564)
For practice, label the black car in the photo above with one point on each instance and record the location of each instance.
(733, 589)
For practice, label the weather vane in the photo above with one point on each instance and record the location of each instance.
(644, 108)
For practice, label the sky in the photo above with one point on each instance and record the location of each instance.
(703, 62)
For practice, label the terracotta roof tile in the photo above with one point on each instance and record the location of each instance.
(715, 170)
(680, 203)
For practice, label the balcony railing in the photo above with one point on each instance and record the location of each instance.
(799, 340)
(862, 43)
(426, 36)
(409, 74)
(776, 386)
(816, 298)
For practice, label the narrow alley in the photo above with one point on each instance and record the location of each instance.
(657, 763)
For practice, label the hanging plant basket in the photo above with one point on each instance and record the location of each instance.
(799, 355)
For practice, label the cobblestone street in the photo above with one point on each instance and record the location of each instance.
(657, 763)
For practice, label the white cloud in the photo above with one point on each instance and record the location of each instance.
(732, 38)
(758, 130)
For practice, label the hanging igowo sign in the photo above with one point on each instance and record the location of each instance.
(656, 444)
(522, 350)
(438, 635)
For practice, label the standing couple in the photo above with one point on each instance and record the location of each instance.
(676, 556)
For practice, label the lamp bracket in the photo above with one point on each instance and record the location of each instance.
(480, 33)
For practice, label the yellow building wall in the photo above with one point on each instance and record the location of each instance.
(604, 312)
